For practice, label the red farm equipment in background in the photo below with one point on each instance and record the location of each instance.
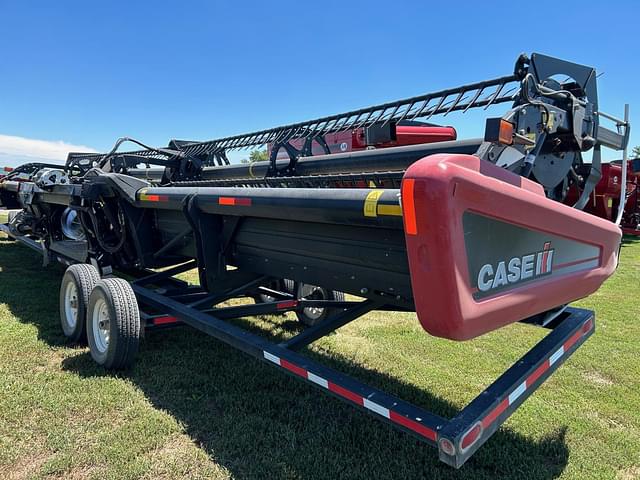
(604, 201)
(391, 134)
(5, 171)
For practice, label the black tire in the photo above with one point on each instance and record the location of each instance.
(77, 283)
(311, 316)
(113, 324)
(289, 286)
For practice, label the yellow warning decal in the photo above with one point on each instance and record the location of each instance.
(392, 210)
(610, 202)
(371, 203)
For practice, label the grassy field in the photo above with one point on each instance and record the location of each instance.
(195, 408)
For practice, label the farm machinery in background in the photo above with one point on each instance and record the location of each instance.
(605, 199)
(4, 171)
(472, 235)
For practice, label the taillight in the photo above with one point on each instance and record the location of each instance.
(447, 446)
(471, 436)
(588, 325)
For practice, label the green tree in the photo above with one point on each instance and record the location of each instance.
(256, 156)
(635, 153)
(259, 156)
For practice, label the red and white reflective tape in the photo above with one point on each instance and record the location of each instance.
(406, 422)
(531, 379)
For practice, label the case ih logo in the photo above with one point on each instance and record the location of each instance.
(516, 269)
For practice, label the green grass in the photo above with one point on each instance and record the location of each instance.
(195, 408)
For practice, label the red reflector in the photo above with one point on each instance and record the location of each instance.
(409, 207)
(245, 202)
(287, 304)
(471, 436)
(164, 320)
(447, 447)
(154, 198)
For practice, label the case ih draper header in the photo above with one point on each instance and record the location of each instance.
(472, 235)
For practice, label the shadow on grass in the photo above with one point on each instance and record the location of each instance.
(260, 423)
(628, 240)
(31, 291)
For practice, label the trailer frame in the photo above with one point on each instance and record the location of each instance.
(165, 301)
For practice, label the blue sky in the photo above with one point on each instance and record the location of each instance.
(81, 74)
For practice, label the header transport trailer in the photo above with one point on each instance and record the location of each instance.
(472, 235)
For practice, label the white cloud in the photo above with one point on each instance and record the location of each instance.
(20, 149)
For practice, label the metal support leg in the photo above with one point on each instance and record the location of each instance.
(312, 334)
(166, 273)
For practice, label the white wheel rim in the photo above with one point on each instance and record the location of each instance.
(100, 321)
(71, 304)
(307, 290)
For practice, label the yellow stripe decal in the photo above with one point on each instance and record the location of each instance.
(393, 210)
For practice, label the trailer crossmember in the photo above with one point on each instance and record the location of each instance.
(457, 438)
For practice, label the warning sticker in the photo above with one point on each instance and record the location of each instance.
(371, 203)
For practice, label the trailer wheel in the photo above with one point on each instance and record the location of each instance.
(289, 286)
(75, 289)
(113, 324)
(310, 316)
